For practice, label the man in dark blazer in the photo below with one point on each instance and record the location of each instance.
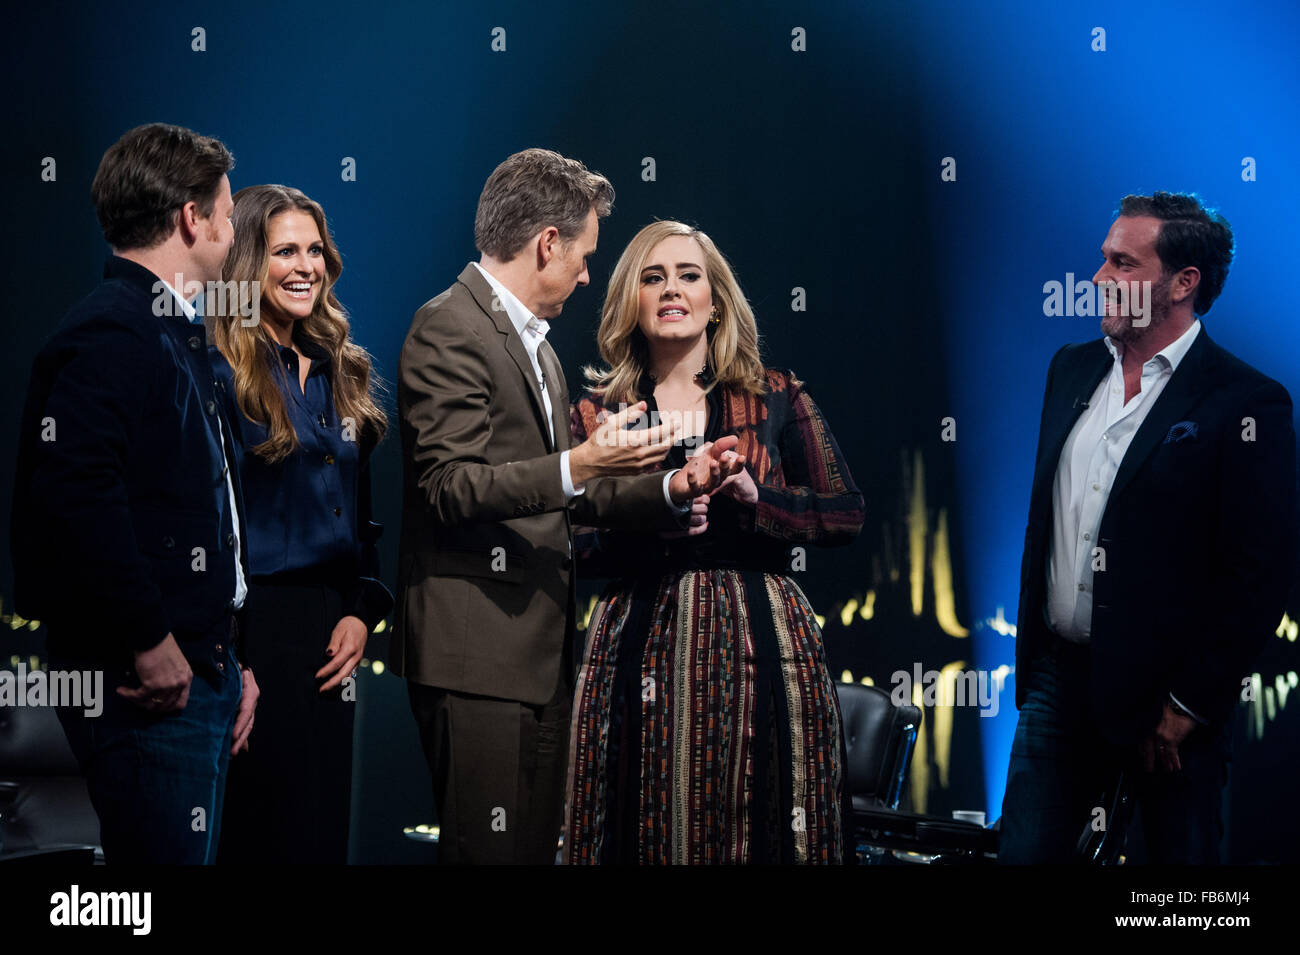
(487, 600)
(126, 515)
(1159, 554)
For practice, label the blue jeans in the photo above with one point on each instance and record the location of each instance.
(1061, 766)
(157, 781)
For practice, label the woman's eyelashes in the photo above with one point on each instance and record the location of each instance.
(655, 278)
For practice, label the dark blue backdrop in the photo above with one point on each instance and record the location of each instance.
(818, 169)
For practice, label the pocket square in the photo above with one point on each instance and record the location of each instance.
(1184, 429)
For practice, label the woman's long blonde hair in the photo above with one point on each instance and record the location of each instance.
(733, 341)
(246, 348)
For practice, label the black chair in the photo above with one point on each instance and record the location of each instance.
(880, 737)
(1104, 845)
(45, 809)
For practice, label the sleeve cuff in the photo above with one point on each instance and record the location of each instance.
(371, 602)
(149, 627)
(1184, 710)
(566, 480)
(677, 509)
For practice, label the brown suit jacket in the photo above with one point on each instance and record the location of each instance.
(485, 572)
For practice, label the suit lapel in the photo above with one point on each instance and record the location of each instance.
(478, 287)
(1069, 402)
(1178, 395)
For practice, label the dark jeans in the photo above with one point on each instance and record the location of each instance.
(149, 775)
(1061, 767)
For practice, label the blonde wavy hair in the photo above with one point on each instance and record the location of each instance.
(733, 341)
(247, 348)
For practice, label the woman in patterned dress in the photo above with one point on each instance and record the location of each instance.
(706, 727)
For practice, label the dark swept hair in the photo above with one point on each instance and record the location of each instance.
(534, 189)
(150, 173)
(1190, 235)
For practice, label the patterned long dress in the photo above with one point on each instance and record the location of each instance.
(706, 727)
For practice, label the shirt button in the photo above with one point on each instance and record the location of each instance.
(230, 540)
(329, 459)
(1087, 537)
(1081, 588)
(1096, 487)
(221, 666)
(1105, 436)
(338, 511)
(194, 343)
(212, 407)
(220, 648)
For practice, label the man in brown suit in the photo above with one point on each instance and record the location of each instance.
(487, 598)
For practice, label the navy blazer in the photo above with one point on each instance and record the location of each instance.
(122, 529)
(1199, 534)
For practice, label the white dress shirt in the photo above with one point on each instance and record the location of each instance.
(1085, 473)
(532, 332)
(241, 586)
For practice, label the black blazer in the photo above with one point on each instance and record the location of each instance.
(120, 479)
(1199, 535)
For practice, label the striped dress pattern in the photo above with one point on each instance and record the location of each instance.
(706, 727)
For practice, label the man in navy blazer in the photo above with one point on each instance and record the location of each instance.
(126, 530)
(1159, 554)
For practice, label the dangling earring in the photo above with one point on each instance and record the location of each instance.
(714, 317)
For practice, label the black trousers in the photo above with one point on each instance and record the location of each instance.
(288, 798)
(1060, 767)
(498, 773)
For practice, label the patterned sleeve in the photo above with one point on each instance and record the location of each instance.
(585, 539)
(811, 497)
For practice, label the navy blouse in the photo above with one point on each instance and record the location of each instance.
(308, 516)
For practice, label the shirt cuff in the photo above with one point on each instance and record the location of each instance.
(570, 492)
(1182, 709)
(678, 509)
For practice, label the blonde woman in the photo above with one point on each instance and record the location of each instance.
(300, 398)
(706, 727)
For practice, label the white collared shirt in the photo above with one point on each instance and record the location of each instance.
(1085, 473)
(241, 586)
(532, 332)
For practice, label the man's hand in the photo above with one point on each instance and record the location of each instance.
(1161, 747)
(244, 717)
(165, 678)
(712, 464)
(612, 449)
(699, 522)
(347, 644)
